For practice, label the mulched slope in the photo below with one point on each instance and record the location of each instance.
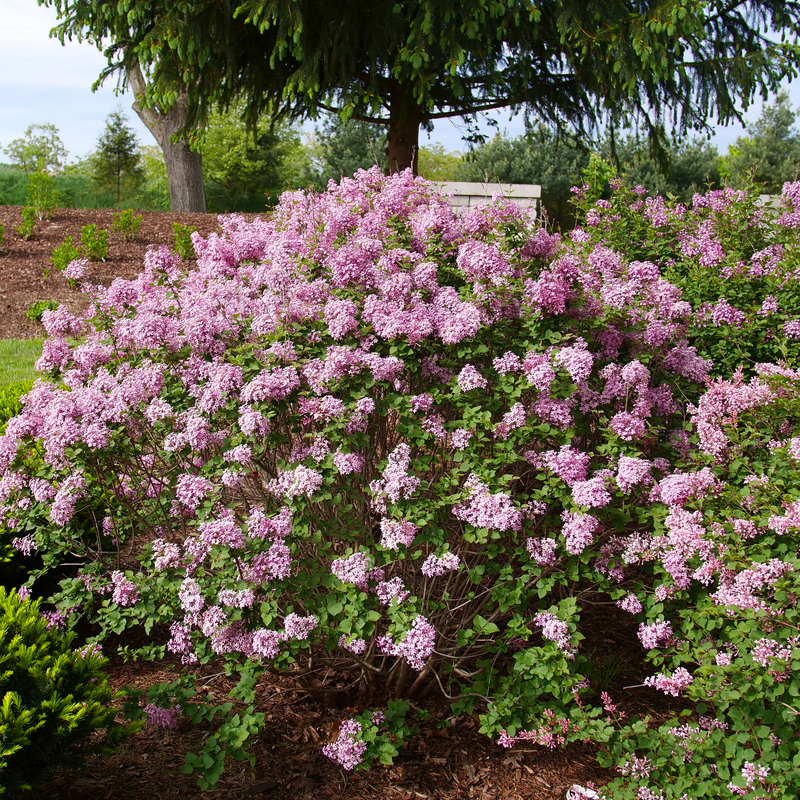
(445, 763)
(23, 263)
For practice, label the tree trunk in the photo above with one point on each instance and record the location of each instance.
(184, 166)
(402, 140)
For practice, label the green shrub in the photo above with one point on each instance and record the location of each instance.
(62, 255)
(35, 310)
(95, 242)
(183, 240)
(25, 228)
(126, 225)
(41, 195)
(54, 698)
(10, 404)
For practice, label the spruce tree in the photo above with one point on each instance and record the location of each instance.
(117, 162)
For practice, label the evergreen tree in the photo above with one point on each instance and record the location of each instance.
(771, 153)
(344, 147)
(245, 170)
(117, 163)
(667, 63)
(692, 166)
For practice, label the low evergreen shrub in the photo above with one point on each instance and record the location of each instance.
(56, 707)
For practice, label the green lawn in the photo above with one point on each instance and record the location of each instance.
(17, 357)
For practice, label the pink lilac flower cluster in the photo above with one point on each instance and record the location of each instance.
(755, 778)
(555, 630)
(653, 634)
(160, 717)
(125, 591)
(437, 565)
(670, 684)
(415, 646)
(486, 510)
(551, 732)
(349, 748)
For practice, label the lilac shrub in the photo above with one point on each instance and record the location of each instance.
(416, 447)
(734, 258)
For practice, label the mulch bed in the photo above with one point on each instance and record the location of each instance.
(23, 263)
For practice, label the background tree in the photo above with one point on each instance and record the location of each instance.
(403, 65)
(693, 166)
(40, 149)
(341, 148)
(117, 163)
(436, 163)
(771, 151)
(247, 170)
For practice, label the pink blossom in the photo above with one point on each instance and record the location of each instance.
(577, 360)
(349, 748)
(555, 630)
(627, 426)
(469, 378)
(397, 532)
(653, 634)
(162, 717)
(630, 603)
(485, 510)
(591, 493)
(297, 482)
(542, 551)
(125, 591)
(632, 471)
(670, 684)
(390, 590)
(578, 531)
(435, 565)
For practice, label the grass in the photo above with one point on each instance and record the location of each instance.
(17, 357)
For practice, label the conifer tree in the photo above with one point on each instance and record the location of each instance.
(117, 162)
(664, 64)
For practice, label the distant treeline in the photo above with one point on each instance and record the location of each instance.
(248, 170)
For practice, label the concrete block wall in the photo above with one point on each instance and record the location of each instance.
(466, 195)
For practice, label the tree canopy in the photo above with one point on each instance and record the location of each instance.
(668, 63)
(40, 148)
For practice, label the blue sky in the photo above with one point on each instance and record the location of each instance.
(43, 81)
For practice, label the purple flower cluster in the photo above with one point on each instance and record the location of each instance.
(349, 748)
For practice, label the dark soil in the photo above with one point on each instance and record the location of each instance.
(440, 762)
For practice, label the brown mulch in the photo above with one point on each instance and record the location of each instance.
(23, 263)
(443, 762)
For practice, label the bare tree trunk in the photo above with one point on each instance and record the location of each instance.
(402, 140)
(184, 166)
